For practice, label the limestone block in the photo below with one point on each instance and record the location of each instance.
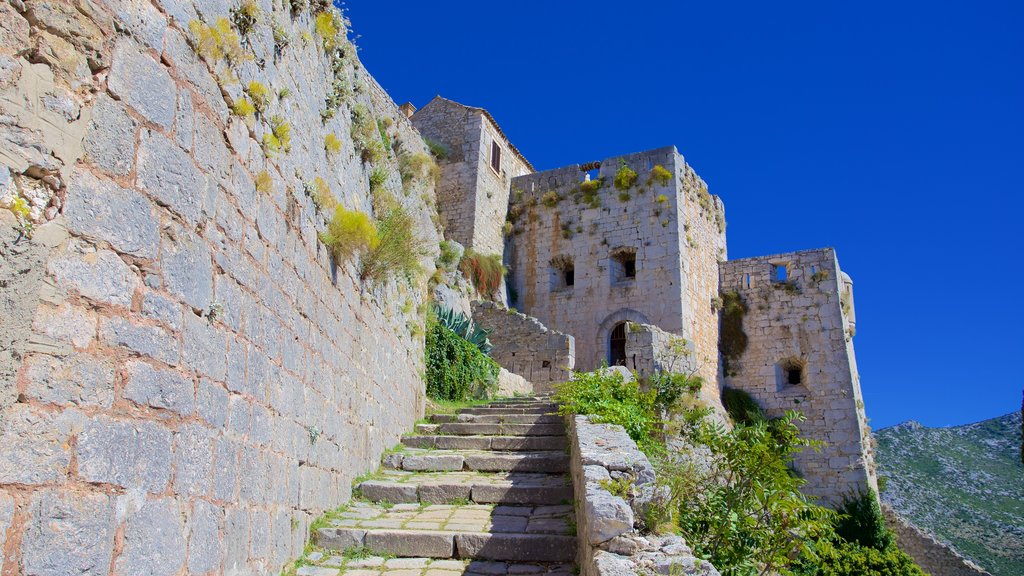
(608, 516)
(193, 460)
(432, 462)
(34, 445)
(142, 83)
(110, 139)
(167, 173)
(130, 454)
(68, 533)
(78, 379)
(204, 541)
(187, 267)
(147, 340)
(517, 547)
(158, 307)
(99, 275)
(154, 540)
(394, 492)
(163, 389)
(212, 400)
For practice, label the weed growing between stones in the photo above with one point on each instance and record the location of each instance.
(264, 182)
(260, 96)
(398, 249)
(349, 232)
(378, 176)
(218, 42)
(485, 272)
(321, 194)
(661, 175)
(331, 144)
(550, 199)
(366, 136)
(437, 149)
(245, 16)
(417, 169)
(244, 109)
(625, 176)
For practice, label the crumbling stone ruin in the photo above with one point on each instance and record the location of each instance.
(191, 375)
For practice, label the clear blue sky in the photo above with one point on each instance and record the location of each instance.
(892, 131)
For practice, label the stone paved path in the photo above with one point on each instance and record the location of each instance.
(483, 492)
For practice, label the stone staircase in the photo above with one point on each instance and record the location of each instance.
(482, 492)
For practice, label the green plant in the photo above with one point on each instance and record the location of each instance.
(437, 149)
(264, 182)
(741, 406)
(483, 271)
(378, 176)
(244, 109)
(834, 557)
(331, 143)
(348, 233)
(245, 16)
(661, 199)
(449, 256)
(624, 197)
(382, 127)
(621, 487)
(321, 194)
(739, 505)
(366, 136)
(458, 322)
(625, 176)
(284, 93)
(329, 26)
(260, 96)
(508, 228)
(418, 168)
(591, 186)
(861, 522)
(278, 138)
(455, 369)
(550, 199)
(606, 397)
(217, 42)
(20, 208)
(281, 38)
(661, 175)
(732, 338)
(398, 250)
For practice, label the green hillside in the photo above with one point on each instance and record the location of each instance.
(964, 484)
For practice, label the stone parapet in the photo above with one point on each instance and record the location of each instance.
(609, 539)
(933, 556)
(526, 347)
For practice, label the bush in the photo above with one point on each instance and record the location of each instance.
(217, 42)
(437, 149)
(742, 407)
(398, 250)
(260, 96)
(608, 398)
(418, 168)
(331, 143)
(449, 256)
(840, 558)
(736, 501)
(348, 233)
(661, 175)
(550, 199)
(321, 194)
(455, 369)
(458, 322)
(625, 177)
(483, 271)
(861, 522)
(264, 182)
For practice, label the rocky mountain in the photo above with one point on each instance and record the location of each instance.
(964, 484)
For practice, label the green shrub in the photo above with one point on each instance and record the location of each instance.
(398, 249)
(382, 127)
(670, 387)
(608, 398)
(625, 177)
(661, 175)
(732, 338)
(483, 271)
(217, 42)
(456, 369)
(260, 96)
(348, 233)
(418, 168)
(839, 558)
(449, 256)
(861, 522)
(331, 143)
(245, 16)
(378, 176)
(737, 503)
(458, 322)
(437, 149)
(742, 407)
(550, 199)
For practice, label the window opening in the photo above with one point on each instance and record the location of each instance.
(780, 272)
(496, 156)
(617, 345)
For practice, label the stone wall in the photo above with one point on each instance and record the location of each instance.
(931, 555)
(473, 196)
(526, 347)
(186, 375)
(608, 525)
(801, 321)
(557, 227)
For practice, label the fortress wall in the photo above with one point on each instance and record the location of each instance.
(492, 189)
(186, 376)
(588, 236)
(803, 319)
(526, 347)
(930, 554)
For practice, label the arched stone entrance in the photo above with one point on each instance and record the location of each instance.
(615, 323)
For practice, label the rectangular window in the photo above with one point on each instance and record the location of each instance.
(570, 277)
(496, 156)
(780, 272)
(629, 268)
(623, 264)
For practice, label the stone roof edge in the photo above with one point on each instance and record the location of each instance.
(496, 127)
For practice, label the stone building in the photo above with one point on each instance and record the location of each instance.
(624, 253)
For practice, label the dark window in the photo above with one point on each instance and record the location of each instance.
(617, 346)
(570, 277)
(629, 268)
(793, 376)
(546, 364)
(496, 156)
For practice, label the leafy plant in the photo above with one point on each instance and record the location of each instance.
(217, 42)
(449, 256)
(331, 143)
(245, 16)
(418, 168)
(455, 369)
(861, 522)
(483, 271)
(244, 109)
(398, 250)
(382, 127)
(281, 38)
(608, 398)
(741, 406)
(550, 199)
(378, 176)
(661, 175)
(366, 136)
(625, 177)
(661, 199)
(329, 26)
(264, 182)
(260, 96)
(348, 233)
(458, 322)
(321, 194)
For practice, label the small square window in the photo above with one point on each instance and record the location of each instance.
(780, 272)
(629, 268)
(623, 264)
(793, 376)
(569, 276)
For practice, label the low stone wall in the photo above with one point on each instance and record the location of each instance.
(525, 346)
(607, 525)
(932, 556)
(646, 348)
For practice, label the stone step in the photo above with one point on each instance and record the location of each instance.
(508, 533)
(498, 418)
(476, 429)
(320, 564)
(499, 443)
(416, 460)
(503, 410)
(399, 486)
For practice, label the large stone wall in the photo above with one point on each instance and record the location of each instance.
(187, 378)
(473, 196)
(804, 321)
(931, 555)
(526, 347)
(674, 241)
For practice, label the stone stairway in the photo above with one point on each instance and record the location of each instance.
(482, 492)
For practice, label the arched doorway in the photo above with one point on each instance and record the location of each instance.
(617, 345)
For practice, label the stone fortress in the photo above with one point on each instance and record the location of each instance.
(604, 262)
(188, 380)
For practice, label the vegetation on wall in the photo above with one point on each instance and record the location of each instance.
(741, 406)
(463, 326)
(608, 398)
(455, 368)
(484, 271)
(348, 233)
(732, 339)
(661, 175)
(625, 176)
(418, 169)
(398, 250)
